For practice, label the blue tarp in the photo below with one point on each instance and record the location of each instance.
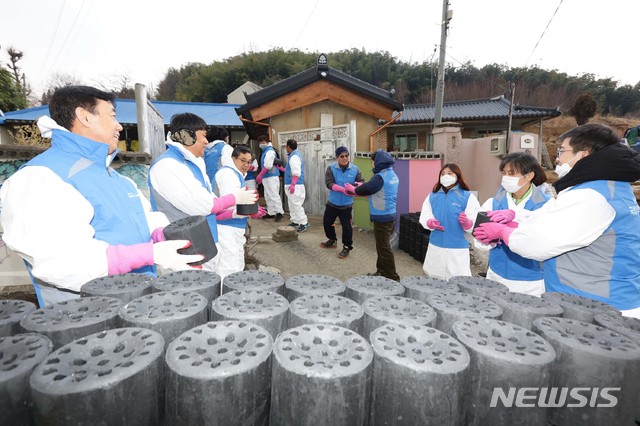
(213, 114)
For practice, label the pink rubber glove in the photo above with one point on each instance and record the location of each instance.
(282, 169)
(350, 189)
(357, 184)
(512, 224)
(251, 168)
(158, 235)
(464, 221)
(435, 225)
(224, 215)
(337, 188)
(223, 203)
(262, 173)
(261, 212)
(501, 216)
(292, 187)
(491, 232)
(122, 259)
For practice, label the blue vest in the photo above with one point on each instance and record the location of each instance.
(287, 172)
(502, 260)
(446, 208)
(606, 270)
(382, 204)
(213, 160)
(274, 171)
(119, 217)
(240, 222)
(165, 206)
(340, 177)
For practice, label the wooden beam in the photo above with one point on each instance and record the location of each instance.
(319, 91)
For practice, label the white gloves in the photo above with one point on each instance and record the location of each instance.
(243, 196)
(165, 255)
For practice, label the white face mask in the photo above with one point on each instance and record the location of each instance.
(262, 146)
(563, 169)
(448, 180)
(510, 184)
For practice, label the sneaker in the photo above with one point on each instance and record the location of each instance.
(344, 253)
(303, 228)
(329, 244)
(295, 225)
(278, 217)
(374, 274)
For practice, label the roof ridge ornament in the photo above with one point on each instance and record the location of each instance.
(322, 63)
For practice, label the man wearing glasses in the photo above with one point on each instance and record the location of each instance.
(589, 236)
(230, 179)
(340, 204)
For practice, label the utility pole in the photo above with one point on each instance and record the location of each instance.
(512, 87)
(446, 17)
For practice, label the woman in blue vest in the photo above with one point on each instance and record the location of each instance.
(588, 236)
(519, 195)
(449, 211)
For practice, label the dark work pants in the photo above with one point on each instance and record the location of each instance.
(330, 215)
(386, 264)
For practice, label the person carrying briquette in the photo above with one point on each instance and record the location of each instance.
(448, 212)
(340, 202)
(229, 180)
(97, 221)
(382, 190)
(519, 195)
(269, 177)
(588, 236)
(178, 180)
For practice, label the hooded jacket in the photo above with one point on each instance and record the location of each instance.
(382, 188)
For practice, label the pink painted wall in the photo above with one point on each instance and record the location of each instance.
(423, 174)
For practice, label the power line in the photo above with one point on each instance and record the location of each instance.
(542, 35)
(75, 19)
(55, 32)
(295, 43)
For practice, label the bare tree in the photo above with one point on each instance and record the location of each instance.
(15, 56)
(57, 81)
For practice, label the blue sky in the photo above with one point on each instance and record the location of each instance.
(98, 42)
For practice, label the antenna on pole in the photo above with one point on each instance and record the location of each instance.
(446, 17)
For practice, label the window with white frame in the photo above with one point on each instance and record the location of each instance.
(405, 142)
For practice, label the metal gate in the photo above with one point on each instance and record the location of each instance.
(317, 147)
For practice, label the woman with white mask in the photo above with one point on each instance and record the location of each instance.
(520, 194)
(448, 212)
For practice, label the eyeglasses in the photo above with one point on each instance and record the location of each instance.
(245, 161)
(343, 156)
(561, 151)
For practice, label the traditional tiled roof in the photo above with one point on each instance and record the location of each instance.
(311, 75)
(477, 109)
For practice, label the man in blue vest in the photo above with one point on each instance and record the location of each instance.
(229, 180)
(340, 203)
(294, 187)
(179, 184)
(217, 154)
(382, 190)
(269, 177)
(588, 237)
(70, 216)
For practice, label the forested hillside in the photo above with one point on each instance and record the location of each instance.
(413, 82)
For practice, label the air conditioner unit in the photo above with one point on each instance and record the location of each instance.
(498, 146)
